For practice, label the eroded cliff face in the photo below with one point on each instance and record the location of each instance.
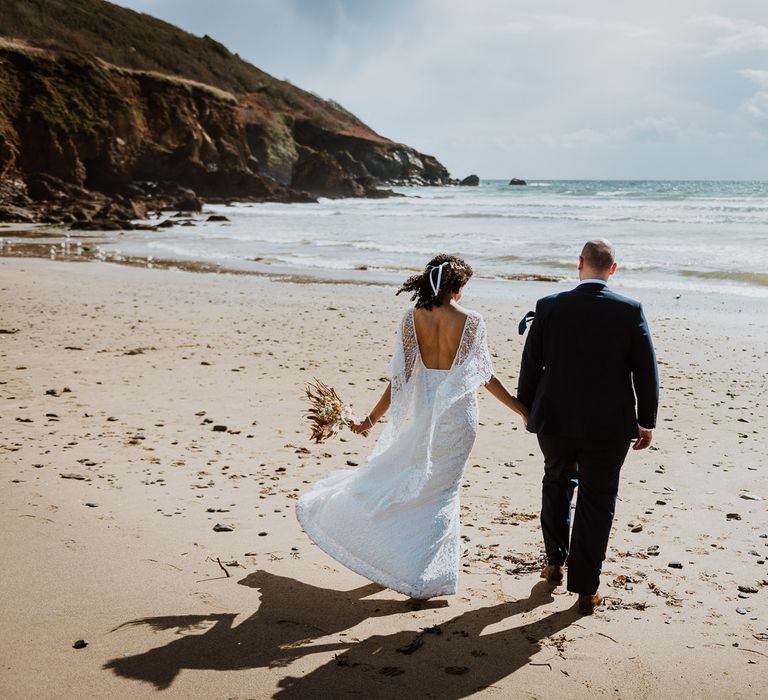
(75, 128)
(83, 141)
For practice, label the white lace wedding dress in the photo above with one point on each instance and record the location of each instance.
(395, 520)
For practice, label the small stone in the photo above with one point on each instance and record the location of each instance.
(748, 589)
(71, 475)
(262, 534)
(222, 527)
(350, 463)
(751, 497)
(112, 419)
(91, 504)
(661, 503)
(219, 428)
(637, 528)
(675, 565)
(743, 596)
(732, 516)
(742, 611)
(80, 644)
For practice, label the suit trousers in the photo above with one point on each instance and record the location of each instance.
(594, 467)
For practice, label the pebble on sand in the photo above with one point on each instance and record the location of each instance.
(222, 527)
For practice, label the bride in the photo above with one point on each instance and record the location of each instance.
(395, 520)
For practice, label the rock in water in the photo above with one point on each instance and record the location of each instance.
(517, 181)
(470, 181)
(217, 217)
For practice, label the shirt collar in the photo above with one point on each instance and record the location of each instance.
(594, 281)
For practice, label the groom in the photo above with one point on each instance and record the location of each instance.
(588, 355)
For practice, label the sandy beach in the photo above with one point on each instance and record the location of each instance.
(140, 408)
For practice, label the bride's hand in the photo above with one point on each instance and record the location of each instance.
(361, 427)
(522, 410)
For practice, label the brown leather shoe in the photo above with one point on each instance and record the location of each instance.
(588, 603)
(553, 573)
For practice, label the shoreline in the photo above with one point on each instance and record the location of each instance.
(78, 246)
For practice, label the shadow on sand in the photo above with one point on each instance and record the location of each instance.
(452, 663)
(290, 615)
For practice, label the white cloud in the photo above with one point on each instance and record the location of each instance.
(735, 35)
(646, 130)
(757, 105)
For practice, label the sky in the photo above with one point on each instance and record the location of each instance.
(599, 89)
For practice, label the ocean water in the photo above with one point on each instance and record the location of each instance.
(686, 236)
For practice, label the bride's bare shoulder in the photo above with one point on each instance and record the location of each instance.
(466, 312)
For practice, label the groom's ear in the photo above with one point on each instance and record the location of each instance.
(613, 269)
(581, 263)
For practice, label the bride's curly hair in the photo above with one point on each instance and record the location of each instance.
(455, 274)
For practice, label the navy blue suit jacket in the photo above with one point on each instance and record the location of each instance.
(587, 356)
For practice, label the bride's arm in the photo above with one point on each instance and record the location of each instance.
(375, 415)
(498, 389)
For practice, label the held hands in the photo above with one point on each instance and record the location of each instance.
(644, 440)
(523, 411)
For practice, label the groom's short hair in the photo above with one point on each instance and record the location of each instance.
(599, 254)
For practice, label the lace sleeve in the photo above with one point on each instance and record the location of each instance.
(484, 362)
(473, 349)
(405, 352)
(410, 343)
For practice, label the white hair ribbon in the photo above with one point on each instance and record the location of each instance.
(439, 268)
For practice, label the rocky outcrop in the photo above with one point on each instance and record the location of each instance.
(470, 181)
(79, 135)
(516, 181)
(121, 131)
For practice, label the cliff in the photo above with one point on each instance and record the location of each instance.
(116, 111)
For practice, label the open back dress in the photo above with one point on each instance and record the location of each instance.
(395, 520)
